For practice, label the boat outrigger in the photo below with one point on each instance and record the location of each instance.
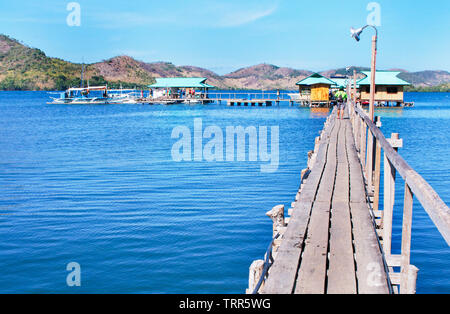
(95, 95)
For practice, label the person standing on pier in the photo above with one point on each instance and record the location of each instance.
(341, 97)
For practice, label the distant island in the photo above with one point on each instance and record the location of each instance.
(26, 68)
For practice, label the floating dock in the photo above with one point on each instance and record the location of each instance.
(251, 103)
(337, 240)
(174, 101)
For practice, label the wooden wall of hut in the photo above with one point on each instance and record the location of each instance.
(382, 93)
(320, 92)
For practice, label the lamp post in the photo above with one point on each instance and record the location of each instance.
(356, 34)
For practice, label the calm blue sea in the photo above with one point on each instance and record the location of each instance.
(97, 185)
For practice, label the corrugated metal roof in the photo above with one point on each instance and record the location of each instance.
(181, 82)
(383, 78)
(342, 82)
(314, 79)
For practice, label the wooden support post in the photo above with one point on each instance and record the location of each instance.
(277, 216)
(369, 160)
(389, 196)
(256, 270)
(363, 143)
(406, 239)
(412, 279)
(376, 180)
(357, 133)
(376, 168)
(352, 118)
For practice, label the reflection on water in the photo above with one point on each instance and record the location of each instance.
(319, 112)
(390, 112)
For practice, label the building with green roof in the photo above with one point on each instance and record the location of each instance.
(342, 82)
(181, 82)
(187, 89)
(389, 87)
(315, 88)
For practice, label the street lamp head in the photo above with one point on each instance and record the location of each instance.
(356, 33)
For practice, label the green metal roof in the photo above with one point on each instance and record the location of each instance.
(383, 78)
(181, 82)
(314, 79)
(342, 82)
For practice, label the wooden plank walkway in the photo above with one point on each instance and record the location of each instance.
(250, 103)
(330, 245)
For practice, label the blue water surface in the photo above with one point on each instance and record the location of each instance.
(97, 185)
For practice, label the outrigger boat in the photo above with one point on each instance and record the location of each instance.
(83, 95)
(126, 96)
(95, 95)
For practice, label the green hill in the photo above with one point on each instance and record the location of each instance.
(25, 68)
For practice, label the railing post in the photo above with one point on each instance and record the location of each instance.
(256, 270)
(277, 216)
(406, 240)
(363, 143)
(358, 132)
(376, 179)
(389, 196)
(412, 279)
(355, 136)
(369, 160)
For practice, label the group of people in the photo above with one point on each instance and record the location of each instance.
(186, 93)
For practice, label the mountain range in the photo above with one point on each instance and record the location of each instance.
(26, 68)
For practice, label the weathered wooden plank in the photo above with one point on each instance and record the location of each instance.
(370, 271)
(312, 272)
(341, 272)
(283, 272)
(311, 278)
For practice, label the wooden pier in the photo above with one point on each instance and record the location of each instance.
(261, 99)
(337, 240)
(250, 103)
(173, 101)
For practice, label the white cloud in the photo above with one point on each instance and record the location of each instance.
(209, 14)
(243, 17)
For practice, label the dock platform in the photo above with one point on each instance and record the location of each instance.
(250, 103)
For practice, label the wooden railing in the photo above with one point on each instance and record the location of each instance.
(282, 96)
(370, 141)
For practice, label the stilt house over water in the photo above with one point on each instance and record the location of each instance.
(388, 91)
(315, 89)
(185, 84)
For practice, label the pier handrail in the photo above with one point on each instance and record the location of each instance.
(268, 262)
(369, 141)
(438, 211)
(251, 96)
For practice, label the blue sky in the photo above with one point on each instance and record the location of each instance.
(230, 34)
